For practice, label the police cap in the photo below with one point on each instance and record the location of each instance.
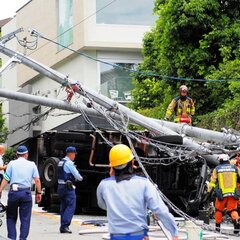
(22, 149)
(71, 149)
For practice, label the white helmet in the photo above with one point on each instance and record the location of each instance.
(183, 87)
(223, 157)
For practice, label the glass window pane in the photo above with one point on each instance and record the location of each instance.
(65, 22)
(126, 12)
(116, 83)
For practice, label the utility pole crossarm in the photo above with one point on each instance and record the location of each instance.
(8, 64)
(9, 36)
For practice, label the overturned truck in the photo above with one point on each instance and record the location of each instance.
(178, 158)
(182, 183)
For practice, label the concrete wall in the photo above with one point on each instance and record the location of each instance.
(21, 114)
(43, 16)
(112, 43)
(109, 36)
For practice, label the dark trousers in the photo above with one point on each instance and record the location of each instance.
(19, 201)
(1, 177)
(68, 205)
(130, 236)
(140, 237)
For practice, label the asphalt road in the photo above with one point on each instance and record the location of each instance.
(45, 226)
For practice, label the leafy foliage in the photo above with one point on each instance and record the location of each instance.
(228, 114)
(191, 39)
(3, 129)
(9, 155)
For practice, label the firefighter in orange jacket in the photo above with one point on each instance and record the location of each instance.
(224, 182)
(182, 106)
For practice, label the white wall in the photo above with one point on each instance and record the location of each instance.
(9, 76)
(79, 69)
(110, 36)
(112, 43)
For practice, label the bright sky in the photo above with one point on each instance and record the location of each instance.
(8, 8)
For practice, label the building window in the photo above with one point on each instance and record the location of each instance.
(116, 83)
(125, 12)
(65, 22)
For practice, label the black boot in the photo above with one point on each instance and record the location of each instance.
(236, 226)
(218, 227)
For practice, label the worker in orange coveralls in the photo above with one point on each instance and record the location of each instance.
(236, 162)
(224, 180)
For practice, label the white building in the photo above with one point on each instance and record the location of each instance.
(111, 31)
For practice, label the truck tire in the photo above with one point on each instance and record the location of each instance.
(49, 173)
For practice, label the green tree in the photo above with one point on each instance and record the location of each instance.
(3, 129)
(191, 39)
(9, 155)
(228, 114)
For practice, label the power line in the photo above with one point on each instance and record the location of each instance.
(145, 73)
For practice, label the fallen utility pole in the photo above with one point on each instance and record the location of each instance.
(107, 103)
(201, 133)
(96, 97)
(53, 103)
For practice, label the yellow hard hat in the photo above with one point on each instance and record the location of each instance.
(119, 155)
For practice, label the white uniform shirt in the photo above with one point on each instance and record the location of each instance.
(1, 164)
(126, 203)
(22, 171)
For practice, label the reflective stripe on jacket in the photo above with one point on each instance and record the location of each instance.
(226, 175)
(184, 108)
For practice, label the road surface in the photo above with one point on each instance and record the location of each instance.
(45, 226)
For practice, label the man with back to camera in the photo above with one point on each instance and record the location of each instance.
(224, 180)
(20, 173)
(67, 176)
(126, 197)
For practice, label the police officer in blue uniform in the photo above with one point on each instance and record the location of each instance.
(19, 174)
(67, 176)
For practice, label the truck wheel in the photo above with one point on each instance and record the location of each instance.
(50, 171)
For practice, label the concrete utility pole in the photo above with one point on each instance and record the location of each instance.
(53, 103)
(201, 133)
(134, 117)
